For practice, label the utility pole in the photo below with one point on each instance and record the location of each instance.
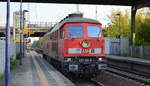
(133, 15)
(119, 36)
(14, 29)
(77, 7)
(7, 30)
(96, 12)
(24, 25)
(28, 19)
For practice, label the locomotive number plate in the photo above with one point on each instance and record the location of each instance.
(85, 50)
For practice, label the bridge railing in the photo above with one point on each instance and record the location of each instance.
(41, 24)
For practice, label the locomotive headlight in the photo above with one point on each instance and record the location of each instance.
(100, 59)
(67, 59)
(85, 44)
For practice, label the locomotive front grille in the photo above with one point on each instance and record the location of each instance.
(81, 59)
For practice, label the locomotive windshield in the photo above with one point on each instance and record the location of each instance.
(93, 31)
(75, 31)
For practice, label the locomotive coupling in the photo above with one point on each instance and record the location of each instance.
(73, 67)
(102, 66)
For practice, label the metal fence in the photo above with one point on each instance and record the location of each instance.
(140, 51)
(146, 50)
(114, 46)
(41, 24)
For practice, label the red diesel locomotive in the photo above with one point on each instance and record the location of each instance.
(75, 44)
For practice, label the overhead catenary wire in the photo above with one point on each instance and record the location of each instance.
(77, 7)
(64, 14)
(96, 12)
(28, 18)
(36, 13)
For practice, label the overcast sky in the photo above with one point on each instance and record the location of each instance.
(56, 12)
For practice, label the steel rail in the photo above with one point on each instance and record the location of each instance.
(133, 76)
(139, 68)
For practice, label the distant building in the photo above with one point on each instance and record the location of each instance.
(16, 24)
(16, 19)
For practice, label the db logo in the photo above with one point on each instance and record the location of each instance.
(85, 50)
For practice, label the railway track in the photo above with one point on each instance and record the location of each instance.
(123, 69)
(86, 82)
(143, 80)
(82, 81)
(139, 77)
(133, 66)
(96, 82)
(132, 70)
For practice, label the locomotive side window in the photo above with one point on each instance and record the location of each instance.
(93, 31)
(62, 34)
(75, 31)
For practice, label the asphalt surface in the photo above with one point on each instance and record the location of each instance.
(35, 71)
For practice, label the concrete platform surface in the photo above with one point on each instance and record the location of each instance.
(35, 71)
(130, 59)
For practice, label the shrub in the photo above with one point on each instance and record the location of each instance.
(13, 63)
(18, 56)
(1, 77)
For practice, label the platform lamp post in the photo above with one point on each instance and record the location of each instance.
(21, 32)
(7, 58)
(24, 22)
(119, 36)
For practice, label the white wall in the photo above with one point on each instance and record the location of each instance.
(2, 56)
(12, 53)
(12, 50)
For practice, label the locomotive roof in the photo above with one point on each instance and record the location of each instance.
(70, 20)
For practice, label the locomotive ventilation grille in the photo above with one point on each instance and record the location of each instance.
(81, 59)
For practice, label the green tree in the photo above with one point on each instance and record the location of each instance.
(143, 27)
(119, 25)
(38, 43)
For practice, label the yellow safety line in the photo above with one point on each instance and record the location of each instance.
(41, 74)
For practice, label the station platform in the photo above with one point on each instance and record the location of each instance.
(35, 71)
(128, 59)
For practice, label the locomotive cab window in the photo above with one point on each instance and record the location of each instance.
(75, 31)
(62, 34)
(93, 31)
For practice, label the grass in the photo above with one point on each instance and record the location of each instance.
(13, 63)
(2, 81)
(1, 76)
(18, 56)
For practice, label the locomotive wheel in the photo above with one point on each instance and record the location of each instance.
(44, 56)
(63, 70)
